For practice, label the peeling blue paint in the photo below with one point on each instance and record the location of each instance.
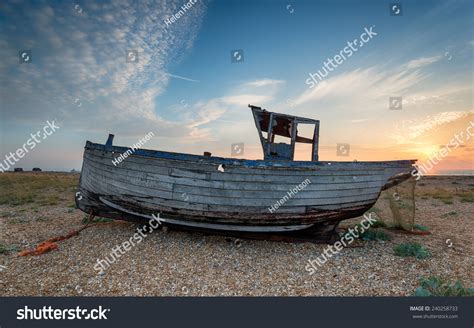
(233, 161)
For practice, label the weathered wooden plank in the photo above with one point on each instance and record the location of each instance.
(217, 210)
(222, 176)
(337, 197)
(191, 189)
(292, 165)
(145, 192)
(338, 168)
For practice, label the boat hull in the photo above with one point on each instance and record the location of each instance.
(229, 194)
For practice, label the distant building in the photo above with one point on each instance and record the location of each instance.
(18, 169)
(36, 169)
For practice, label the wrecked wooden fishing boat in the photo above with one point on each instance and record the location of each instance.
(273, 195)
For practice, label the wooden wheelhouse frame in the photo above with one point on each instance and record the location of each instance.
(274, 124)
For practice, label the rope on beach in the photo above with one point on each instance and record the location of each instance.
(51, 244)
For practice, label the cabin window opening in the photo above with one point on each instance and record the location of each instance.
(305, 130)
(281, 139)
(303, 152)
(304, 142)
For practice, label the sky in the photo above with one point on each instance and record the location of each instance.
(189, 89)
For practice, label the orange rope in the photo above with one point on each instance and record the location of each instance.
(50, 244)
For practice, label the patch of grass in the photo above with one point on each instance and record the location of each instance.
(446, 196)
(5, 249)
(412, 249)
(20, 220)
(375, 234)
(49, 200)
(7, 215)
(41, 219)
(420, 227)
(372, 233)
(376, 210)
(454, 182)
(449, 214)
(434, 286)
(43, 189)
(97, 219)
(72, 205)
(467, 198)
(404, 205)
(378, 224)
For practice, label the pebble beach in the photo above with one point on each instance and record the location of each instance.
(181, 263)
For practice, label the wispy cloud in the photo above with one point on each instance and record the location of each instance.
(83, 55)
(364, 84)
(368, 89)
(409, 130)
(182, 77)
(423, 61)
(263, 83)
(199, 116)
(361, 120)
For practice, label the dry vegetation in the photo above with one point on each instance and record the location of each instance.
(37, 206)
(37, 189)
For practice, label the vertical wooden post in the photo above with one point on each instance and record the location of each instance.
(294, 130)
(256, 118)
(315, 151)
(269, 134)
